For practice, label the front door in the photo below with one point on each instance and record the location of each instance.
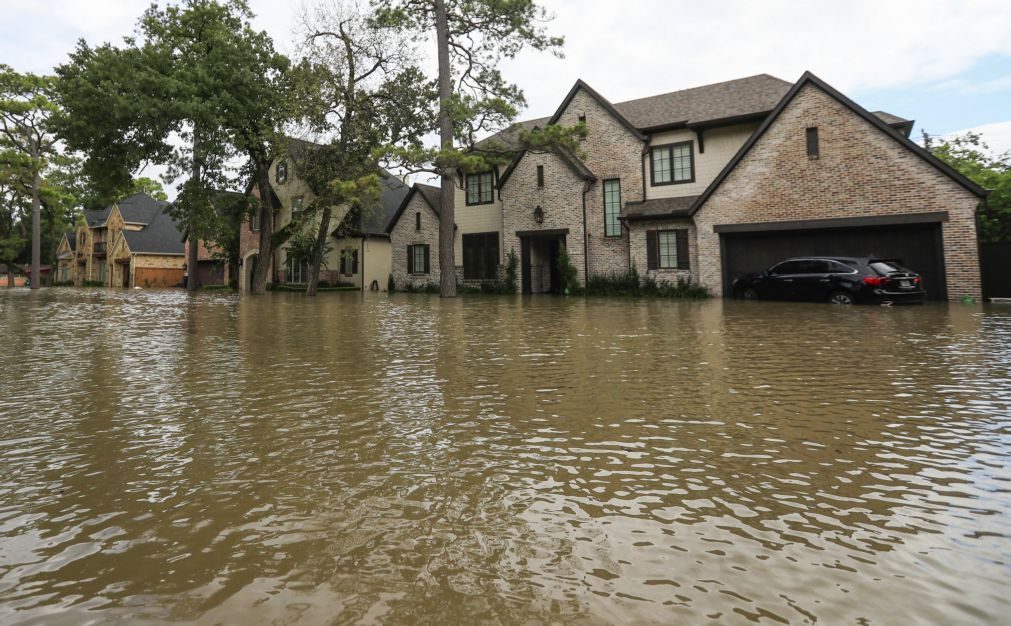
(126, 275)
(554, 246)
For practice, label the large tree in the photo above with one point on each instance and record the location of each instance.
(196, 87)
(358, 86)
(970, 155)
(473, 37)
(26, 111)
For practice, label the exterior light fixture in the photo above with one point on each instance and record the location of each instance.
(539, 215)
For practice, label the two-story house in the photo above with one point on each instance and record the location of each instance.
(706, 184)
(133, 242)
(359, 246)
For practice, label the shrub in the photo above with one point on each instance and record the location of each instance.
(630, 284)
(426, 288)
(567, 271)
(391, 285)
(508, 284)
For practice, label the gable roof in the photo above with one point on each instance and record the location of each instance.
(139, 208)
(601, 100)
(872, 119)
(374, 222)
(71, 239)
(571, 160)
(160, 236)
(430, 194)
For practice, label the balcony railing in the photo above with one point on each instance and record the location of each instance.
(100, 247)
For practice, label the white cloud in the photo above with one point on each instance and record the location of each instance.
(997, 136)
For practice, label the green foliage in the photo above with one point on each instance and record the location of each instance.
(630, 284)
(425, 288)
(302, 245)
(149, 186)
(567, 271)
(511, 279)
(971, 156)
(391, 285)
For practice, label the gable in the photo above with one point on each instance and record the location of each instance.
(419, 196)
(851, 138)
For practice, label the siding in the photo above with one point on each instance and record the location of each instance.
(721, 145)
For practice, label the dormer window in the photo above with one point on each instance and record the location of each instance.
(281, 172)
(480, 188)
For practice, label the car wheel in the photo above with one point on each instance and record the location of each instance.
(749, 293)
(840, 297)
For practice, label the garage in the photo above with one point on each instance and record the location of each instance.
(156, 277)
(915, 239)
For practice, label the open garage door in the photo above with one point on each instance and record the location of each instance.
(156, 277)
(918, 245)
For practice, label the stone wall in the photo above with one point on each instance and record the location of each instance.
(860, 171)
(637, 237)
(406, 234)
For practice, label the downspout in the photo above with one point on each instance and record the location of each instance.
(361, 265)
(586, 237)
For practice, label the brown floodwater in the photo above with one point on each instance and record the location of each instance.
(494, 460)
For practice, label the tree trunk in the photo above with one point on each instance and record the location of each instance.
(10, 277)
(447, 207)
(36, 227)
(264, 257)
(193, 252)
(317, 252)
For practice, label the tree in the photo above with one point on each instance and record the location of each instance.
(972, 157)
(358, 85)
(26, 109)
(149, 186)
(472, 38)
(198, 73)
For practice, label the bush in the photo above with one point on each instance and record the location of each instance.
(508, 284)
(567, 271)
(391, 285)
(629, 284)
(92, 283)
(426, 288)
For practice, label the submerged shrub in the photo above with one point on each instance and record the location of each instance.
(630, 284)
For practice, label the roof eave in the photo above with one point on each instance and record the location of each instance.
(602, 101)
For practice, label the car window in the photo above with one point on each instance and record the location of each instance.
(840, 268)
(788, 267)
(817, 266)
(885, 267)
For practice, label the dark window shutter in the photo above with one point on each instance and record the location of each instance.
(651, 250)
(428, 267)
(410, 259)
(354, 262)
(344, 264)
(681, 236)
(492, 255)
(417, 221)
(813, 149)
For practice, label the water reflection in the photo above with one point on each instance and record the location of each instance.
(404, 459)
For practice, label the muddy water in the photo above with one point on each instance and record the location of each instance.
(406, 460)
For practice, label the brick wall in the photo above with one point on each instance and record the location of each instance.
(406, 234)
(860, 172)
(637, 237)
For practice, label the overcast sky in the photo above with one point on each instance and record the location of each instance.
(944, 63)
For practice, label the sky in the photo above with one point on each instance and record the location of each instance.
(944, 63)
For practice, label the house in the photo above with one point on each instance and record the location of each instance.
(359, 245)
(211, 268)
(133, 242)
(706, 184)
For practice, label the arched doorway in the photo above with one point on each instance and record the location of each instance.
(246, 275)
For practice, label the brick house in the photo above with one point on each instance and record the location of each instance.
(708, 183)
(133, 242)
(359, 252)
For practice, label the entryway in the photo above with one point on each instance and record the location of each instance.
(539, 251)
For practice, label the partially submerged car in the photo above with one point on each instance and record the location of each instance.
(835, 279)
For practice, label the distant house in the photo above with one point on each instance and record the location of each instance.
(133, 242)
(359, 243)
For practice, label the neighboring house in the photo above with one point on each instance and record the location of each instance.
(705, 184)
(211, 268)
(359, 252)
(414, 237)
(134, 242)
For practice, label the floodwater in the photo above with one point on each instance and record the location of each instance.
(491, 460)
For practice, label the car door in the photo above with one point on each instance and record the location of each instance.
(781, 281)
(812, 282)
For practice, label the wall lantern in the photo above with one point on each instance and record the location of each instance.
(539, 215)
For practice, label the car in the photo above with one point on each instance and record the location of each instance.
(835, 279)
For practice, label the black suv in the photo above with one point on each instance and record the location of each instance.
(836, 279)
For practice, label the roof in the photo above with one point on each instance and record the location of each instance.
(872, 119)
(71, 239)
(391, 195)
(510, 136)
(706, 104)
(431, 194)
(139, 208)
(161, 236)
(658, 208)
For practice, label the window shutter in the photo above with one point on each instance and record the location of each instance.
(343, 264)
(652, 250)
(410, 259)
(417, 221)
(428, 267)
(681, 236)
(354, 262)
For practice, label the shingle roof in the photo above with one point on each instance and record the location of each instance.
(888, 118)
(72, 239)
(139, 208)
(658, 208)
(161, 236)
(432, 194)
(375, 222)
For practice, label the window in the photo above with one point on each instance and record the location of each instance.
(540, 176)
(790, 267)
(480, 256)
(582, 118)
(480, 188)
(417, 259)
(672, 164)
(256, 222)
(296, 208)
(349, 261)
(417, 221)
(667, 249)
(101, 272)
(281, 172)
(296, 272)
(612, 207)
(812, 143)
